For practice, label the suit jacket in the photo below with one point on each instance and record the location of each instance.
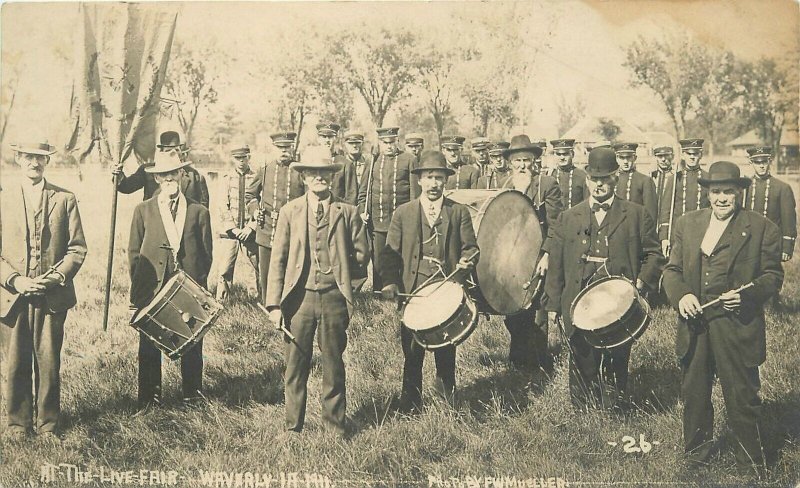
(755, 256)
(403, 251)
(230, 206)
(466, 176)
(149, 253)
(641, 189)
(61, 236)
(347, 247)
(633, 252)
(344, 183)
(193, 184)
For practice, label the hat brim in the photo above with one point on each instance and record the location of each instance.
(332, 167)
(447, 171)
(535, 150)
(37, 151)
(154, 169)
(741, 181)
(600, 174)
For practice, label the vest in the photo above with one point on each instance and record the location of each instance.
(318, 272)
(432, 248)
(598, 248)
(33, 218)
(714, 274)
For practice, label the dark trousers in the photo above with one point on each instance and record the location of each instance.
(597, 377)
(264, 254)
(528, 340)
(714, 352)
(414, 356)
(378, 243)
(150, 372)
(33, 362)
(324, 313)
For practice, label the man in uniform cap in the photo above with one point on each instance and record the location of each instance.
(415, 143)
(42, 247)
(389, 184)
(683, 191)
(772, 198)
(714, 253)
(571, 179)
(185, 226)
(428, 237)
(465, 176)
(272, 187)
(528, 329)
(319, 241)
(326, 136)
(633, 185)
(193, 184)
(354, 145)
(480, 153)
(664, 156)
(599, 237)
(499, 172)
(238, 229)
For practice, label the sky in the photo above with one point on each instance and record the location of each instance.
(585, 42)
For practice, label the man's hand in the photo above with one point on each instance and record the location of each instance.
(390, 292)
(365, 217)
(731, 301)
(243, 234)
(640, 284)
(116, 168)
(689, 306)
(785, 257)
(465, 263)
(276, 318)
(27, 286)
(544, 262)
(665, 247)
(552, 316)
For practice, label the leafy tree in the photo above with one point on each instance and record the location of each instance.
(569, 113)
(608, 129)
(190, 86)
(437, 83)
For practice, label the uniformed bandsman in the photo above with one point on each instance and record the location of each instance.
(389, 184)
(354, 146)
(571, 179)
(664, 156)
(327, 132)
(415, 143)
(499, 171)
(687, 195)
(772, 198)
(273, 185)
(633, 186)
(480, 153)
(465, 175)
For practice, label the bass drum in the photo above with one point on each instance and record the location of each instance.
(509, 238)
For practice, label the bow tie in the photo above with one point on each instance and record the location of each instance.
(596, 207)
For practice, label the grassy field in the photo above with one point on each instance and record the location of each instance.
(506, 429)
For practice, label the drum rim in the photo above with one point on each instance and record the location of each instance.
(590, 286)
(464, 296)
(472, 308)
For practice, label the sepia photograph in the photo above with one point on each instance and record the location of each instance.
(442, 244)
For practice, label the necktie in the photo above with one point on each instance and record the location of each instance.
(320, 212)
(173, 208)
(596, 207)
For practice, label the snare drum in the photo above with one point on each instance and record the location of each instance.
(440, 316)
(178, 316)
(610, 312)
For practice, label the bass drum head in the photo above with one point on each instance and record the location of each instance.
(509, 238)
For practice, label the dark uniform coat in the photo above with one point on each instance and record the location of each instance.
(272, 187)
(344, 183)
(572, 182)
(465, 177)
(638, 188)
(776, 204)
(689, 195)
(385, 185)
(660, 181)
(494, 179)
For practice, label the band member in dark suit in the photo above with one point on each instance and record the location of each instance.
(415, 144)
(344, 183)
(571, 179)
(465, 175)
(498, 172)
(528, 329)
(42, 247)
(272, 187)
(353, 145)
(389, 184)
(319, 242)
(664, 156)
(480, 153)
(772, 198)
(633, 185)
(601, 236)
(168, 232)
(715, 252)
(428, 236)
(192, 183)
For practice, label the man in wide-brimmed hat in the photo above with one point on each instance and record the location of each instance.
(528, 330)
(320, 242)
(168, 232)
(429, 237)
(771, 197)
(604, 235)
(193, 184)
(715, 252)
(41, 250)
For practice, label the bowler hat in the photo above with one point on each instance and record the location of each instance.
(171, 139)
(40, 148)
(724, 172)
(602, 162)
(316, 157)
(166, 162)
(432, 159)
(522, 143)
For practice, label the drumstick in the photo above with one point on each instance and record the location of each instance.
(283, 327)
(446, 278)
(409, 295)
(717, 300)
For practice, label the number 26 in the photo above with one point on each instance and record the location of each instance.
(629, 445)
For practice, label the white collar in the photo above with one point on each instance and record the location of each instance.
(32, 187)
(313, 201)
(426, 203)
(723, 222)
(164, 199)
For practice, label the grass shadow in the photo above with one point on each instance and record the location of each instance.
(261, 387)
(655, 388)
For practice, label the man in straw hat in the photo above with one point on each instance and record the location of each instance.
(42, 247)
(319, 242)
(599, 237)
(428, 237)
(193, 184)
(168, 232)
(714, 253)
(238, 231)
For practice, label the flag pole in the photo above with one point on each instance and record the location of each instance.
(111, 236)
